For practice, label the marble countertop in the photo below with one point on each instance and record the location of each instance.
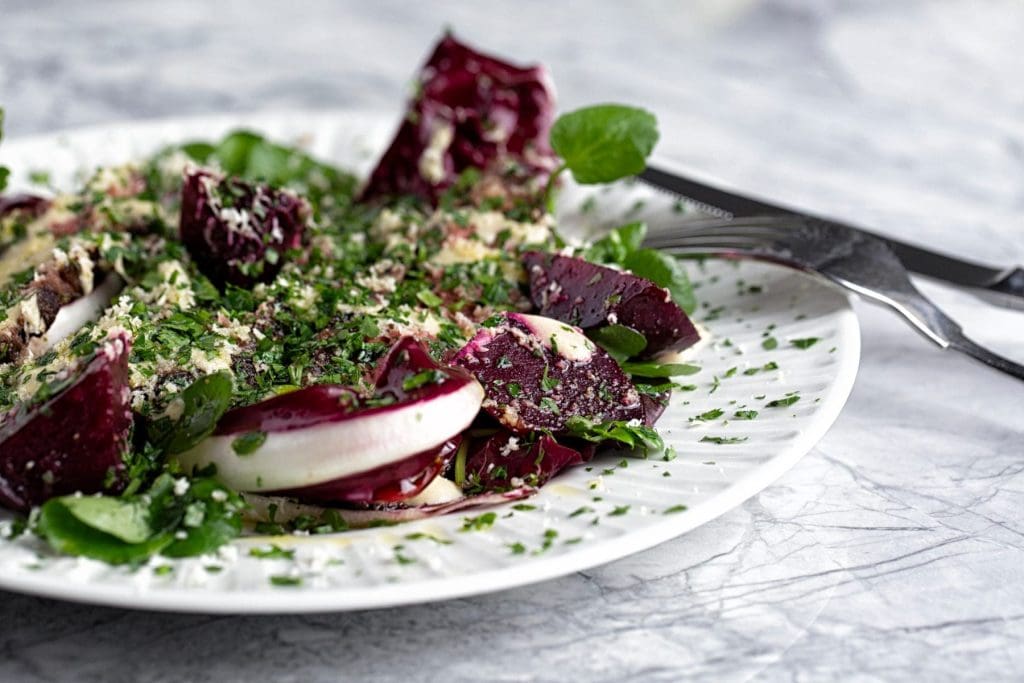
(895, 550)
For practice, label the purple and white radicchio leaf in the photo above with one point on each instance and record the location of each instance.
(470, 110)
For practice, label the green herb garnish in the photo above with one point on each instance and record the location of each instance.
(204, 401)
(620, 341)
(248, 443)
(804, 343)
(285, 580)
(479, 523)
(274, 552)
(632, 436)
(132, 528)
(605, 142)
(721, 440)
(4, 171)
(654, 369)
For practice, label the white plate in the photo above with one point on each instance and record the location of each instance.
(623, 506)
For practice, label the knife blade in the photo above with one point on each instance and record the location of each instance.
(1003, 282)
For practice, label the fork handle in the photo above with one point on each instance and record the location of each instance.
(965, 345)
(944, 331)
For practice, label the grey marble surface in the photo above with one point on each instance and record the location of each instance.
(894, 551)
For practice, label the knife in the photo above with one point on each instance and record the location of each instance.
(1006, 283)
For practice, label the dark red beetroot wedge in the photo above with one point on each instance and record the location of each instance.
(538, 372)
(471, 111)
(505, 461)
(74, 441)
(238, 232)
(588, 295)
(654, 406)
(323, 435)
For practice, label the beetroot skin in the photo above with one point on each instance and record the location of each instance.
(238, 232)
(74, 441)
(588, 295)
(502, 462)
(531, 383)
(471, 111)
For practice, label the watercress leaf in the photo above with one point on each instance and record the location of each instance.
(166, 520)
(617, 244)
(664, 271)
(615, 431)
(210, 520)
(605, 142)
(199, 151)
(234, 152)
(620, 341)
(125, 520)
(250, 156)
(205, 400)
(654, 369)
(68, 534)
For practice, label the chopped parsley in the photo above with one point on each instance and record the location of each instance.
(248, 443)
(285, 580)
(722, 440)
(480, 522)
(804, 343)
(274, 552)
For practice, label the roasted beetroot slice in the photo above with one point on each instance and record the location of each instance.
(588, 295)
(386, 484)
(238, 232)
(538, 372)
(654, 406)
(75, 441)
(504, 462)
(471, 111)
(324, 438)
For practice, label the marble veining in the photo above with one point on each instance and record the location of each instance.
(892, 552)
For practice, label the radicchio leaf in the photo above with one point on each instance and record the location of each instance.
(326, 443)
(470, 111)
(388, 483)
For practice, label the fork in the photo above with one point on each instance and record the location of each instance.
(857, 261)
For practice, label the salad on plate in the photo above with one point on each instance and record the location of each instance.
(233, 335)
